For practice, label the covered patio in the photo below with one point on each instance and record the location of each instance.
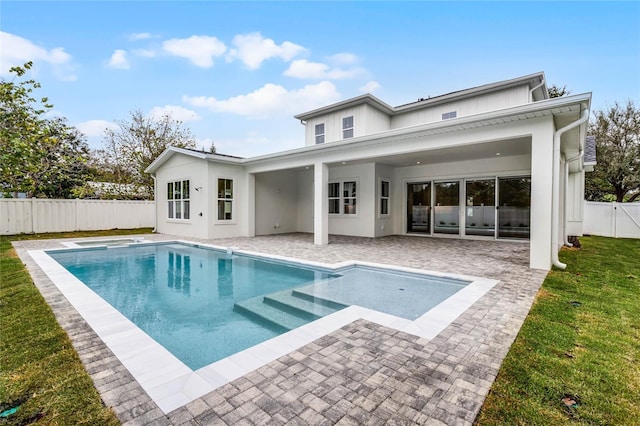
(361, 373)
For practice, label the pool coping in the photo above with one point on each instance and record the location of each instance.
(171, 384)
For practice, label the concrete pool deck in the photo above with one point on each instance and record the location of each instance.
(361, 373)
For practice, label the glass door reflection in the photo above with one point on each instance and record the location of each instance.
(514, 207)
(419, 208)
(480, 207)
(447, 208)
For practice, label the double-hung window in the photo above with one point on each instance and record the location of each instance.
(342, 197)
(178, 198)
(347, 127)
(225, 199)
(319, 133)
(384, 197)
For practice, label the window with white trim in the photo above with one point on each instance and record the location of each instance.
(385, 187)
(319, 133)
(342, 197)
(347, 127)
(178, 200)
(448, 115)
(225, 199)
(334, 198)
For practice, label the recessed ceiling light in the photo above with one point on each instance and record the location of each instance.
(344, 162)
(417, 162)
(497, 153)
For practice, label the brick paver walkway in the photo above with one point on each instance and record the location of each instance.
(364, 373)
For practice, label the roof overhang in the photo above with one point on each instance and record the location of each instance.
(367, 98)
(551, 107)
(532, 80)
(172, 150)
(562, 106)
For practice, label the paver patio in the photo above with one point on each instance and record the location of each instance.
(364, 373)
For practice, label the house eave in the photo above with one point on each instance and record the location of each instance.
(547, 107)
(348, 103)
(532, 79)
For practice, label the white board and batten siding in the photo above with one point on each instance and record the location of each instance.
(504, 98)
(41, 215)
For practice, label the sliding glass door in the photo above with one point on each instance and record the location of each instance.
(480, 208)
(493, 207)
(447, 208)
(514, 207)
(419, 208)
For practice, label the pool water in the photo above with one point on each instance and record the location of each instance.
(204, 305)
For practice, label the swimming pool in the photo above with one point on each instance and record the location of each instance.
(168, 380)
(204, 305)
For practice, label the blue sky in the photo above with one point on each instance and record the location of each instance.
(236, 72)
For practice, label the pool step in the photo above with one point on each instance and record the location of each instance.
(289, 301)
(287, 309)
(305, 294)
(256, 308)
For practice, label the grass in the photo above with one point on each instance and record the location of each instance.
(40, 370)
(588, 350)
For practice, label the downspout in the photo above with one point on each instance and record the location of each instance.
(566, 186)
(555, 200)
(155, 203)
(532, 90)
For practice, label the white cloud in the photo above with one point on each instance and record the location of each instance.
(271, 100)
(139, 36)
(17, 50)
(370, 87)
(343, 59)
(119, 60)
(301, 68)
(145, 53)
(200, 50)
(253, 49)
(175, 112)
(96, 127)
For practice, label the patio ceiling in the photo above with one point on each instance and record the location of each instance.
(508, 147)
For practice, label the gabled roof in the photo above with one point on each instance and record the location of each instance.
(172, 150)
(348, 103)
(532, 79)
(572, 104)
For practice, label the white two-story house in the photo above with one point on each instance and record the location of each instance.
(500, 161)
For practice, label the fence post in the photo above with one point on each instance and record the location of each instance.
(614, 219)
(33, 215)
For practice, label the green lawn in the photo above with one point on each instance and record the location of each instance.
(581, 339)
(39, 370)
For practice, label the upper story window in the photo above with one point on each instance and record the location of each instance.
(448, 115)
(319, 133)
(225, 199)
(178, 199)
(347, 127)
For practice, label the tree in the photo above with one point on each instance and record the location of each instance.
(133, 146)
(556, 91)
(617, 173)
(38, 156)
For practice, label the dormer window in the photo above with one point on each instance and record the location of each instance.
(347, 127)
(319, 133)
(448, 115)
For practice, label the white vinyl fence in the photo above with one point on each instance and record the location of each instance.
(39, 215)
(619, 220)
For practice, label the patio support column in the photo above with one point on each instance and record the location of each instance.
(320, 203)
(541, 197)
(251, 205)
